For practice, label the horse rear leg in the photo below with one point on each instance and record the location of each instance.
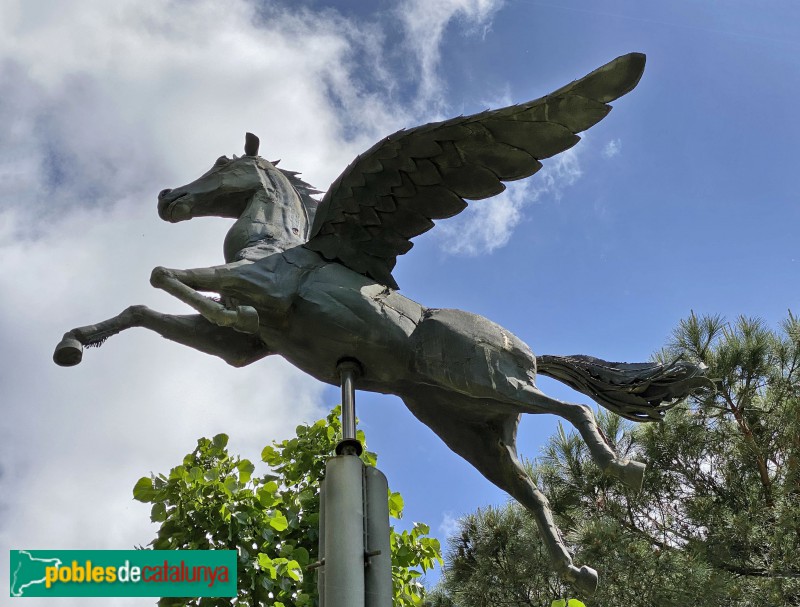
(236, 349)
(582, 418)
(489, 444)
(474, 356)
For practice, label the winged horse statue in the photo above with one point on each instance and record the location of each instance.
(311, 280)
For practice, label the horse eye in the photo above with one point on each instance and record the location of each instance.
(221, 161)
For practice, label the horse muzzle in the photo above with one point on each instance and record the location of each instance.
(173, 207)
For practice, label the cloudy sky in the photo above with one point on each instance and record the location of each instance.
(684, 198)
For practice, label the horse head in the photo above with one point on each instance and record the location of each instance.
(274, 207)
(222, 191)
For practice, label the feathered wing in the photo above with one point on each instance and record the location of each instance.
(393, 191)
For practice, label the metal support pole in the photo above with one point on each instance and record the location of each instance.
(355, 567)
(349, 370)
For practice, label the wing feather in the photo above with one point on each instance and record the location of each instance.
(448, 203)
(472, 182)
(393, 191)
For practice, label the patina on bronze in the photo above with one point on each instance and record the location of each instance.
(311, 281)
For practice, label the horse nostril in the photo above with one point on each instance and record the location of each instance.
(163, 193)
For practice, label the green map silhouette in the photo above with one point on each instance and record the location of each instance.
(28, 570)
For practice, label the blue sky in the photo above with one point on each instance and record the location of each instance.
(683, 198)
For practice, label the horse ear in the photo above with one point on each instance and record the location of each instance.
(250, 144)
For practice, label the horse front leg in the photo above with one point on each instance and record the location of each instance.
(236, 349)
(183, 285)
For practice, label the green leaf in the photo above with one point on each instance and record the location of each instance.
(369, 458)
(395, 505)
(575, 603)
(220, 441)
(286, 550)
(268, 454)
(278, 521)
(231, 485)
(177, 473)
(158, 513)
(246, 469)
(143, 490)
(301, 555)
(267, 565)
(267, 497)
(294, 571)
(242, 517)
(559, 603)
(225, 512)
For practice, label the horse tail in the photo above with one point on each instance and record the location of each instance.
(641, 392)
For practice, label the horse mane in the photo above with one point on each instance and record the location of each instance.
(304, 190)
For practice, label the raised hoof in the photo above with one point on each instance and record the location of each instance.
(69, 352)
(584, 579)
(632, 474)
(246, 320)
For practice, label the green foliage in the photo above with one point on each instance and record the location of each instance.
(718, 519)
(494, 561)
(213, 501)
(413, 553)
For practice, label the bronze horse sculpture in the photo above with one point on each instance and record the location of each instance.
(311, 281)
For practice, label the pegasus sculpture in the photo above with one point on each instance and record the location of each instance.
(312, 281)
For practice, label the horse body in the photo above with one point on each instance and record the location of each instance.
(317, 293)
(316, 313)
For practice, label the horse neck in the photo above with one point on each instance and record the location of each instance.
(273, 220)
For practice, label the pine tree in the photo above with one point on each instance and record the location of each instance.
(718, 519)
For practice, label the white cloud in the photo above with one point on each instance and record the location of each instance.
(449, 525)
(104, 104)
(612, 148)
(425, 24)
(487, 225)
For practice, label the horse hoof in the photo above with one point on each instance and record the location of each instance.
(586, 580)
(69, 352)
(632, 474)
(246, 320)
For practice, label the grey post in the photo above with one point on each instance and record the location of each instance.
(378, 577)
(344, 533)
